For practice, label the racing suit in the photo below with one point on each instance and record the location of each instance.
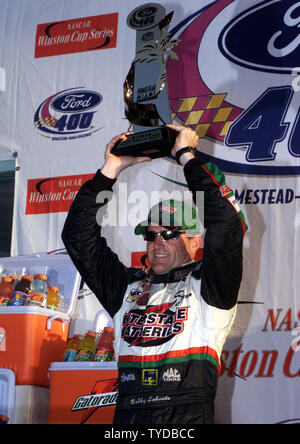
(169, 329)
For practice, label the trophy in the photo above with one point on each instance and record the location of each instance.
(145, 88)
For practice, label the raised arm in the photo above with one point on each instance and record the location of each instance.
(224, 223)
(225, 229)
(98, 265)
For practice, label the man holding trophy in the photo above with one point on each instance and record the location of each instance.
(170, 322)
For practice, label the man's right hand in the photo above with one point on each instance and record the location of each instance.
(113, 165)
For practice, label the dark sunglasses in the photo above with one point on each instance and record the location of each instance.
(166, 235)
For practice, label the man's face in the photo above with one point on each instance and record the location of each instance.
(165, 255)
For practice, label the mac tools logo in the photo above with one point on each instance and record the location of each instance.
(68, 114)
(240, 90)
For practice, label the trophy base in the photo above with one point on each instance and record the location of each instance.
(154, 143)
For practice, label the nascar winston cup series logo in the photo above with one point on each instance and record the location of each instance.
(76, 35)
(241, 88)
(68, 114)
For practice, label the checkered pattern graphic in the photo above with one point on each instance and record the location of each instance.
(208, 115)
(48, 121)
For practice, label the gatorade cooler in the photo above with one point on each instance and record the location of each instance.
(32, 337)
(82, 392)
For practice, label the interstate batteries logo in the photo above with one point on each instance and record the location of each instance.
(241, 93)
(76, 35)
(68, 114)
(154, 326)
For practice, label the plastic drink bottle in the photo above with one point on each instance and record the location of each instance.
(22, 288)
(24, 284)
(71, 349)
(35, 300)
(14, 280)
(53, 298)
(6, 290)
(39, 286)
(105, 348)
(4, 419)
(87, 347)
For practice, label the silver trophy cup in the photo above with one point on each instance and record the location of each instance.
(145, 88)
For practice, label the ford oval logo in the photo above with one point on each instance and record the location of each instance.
(76, 101)
(145, 16)
(268, 37)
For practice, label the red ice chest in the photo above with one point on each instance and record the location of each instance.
(33, 337)
(82, 392)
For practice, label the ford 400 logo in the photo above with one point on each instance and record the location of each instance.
(241, 91)
(268, 37)
(68, 114)
(76, 101)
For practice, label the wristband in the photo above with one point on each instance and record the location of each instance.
(186, 149)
